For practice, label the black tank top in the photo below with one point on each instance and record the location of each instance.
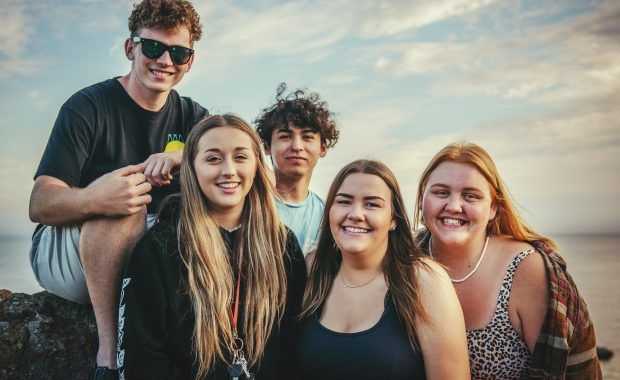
(381, 352)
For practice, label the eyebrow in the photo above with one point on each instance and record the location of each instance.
(368, 198)
(465, 188)
(218, 150)
(290, 130)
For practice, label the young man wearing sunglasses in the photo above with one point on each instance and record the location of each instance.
(108, 163)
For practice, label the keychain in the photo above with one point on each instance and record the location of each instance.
(239, 364)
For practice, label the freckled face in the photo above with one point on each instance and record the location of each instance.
(225, 167)
(457, 204)
(361, 215)
(295, 151)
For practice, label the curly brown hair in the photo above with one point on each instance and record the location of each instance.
(165, 14)
(302, 108)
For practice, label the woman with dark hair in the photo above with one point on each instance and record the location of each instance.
(524, 316)
(374, 308)
(213, 289)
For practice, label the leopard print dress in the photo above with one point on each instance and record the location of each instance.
(498, 351)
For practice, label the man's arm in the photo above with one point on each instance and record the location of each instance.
(121, 192)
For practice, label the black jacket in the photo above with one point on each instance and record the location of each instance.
(156, 318)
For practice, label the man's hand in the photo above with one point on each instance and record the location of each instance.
(160, 167)
(121, 192)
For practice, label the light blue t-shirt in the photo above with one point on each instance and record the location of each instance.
(304, 219)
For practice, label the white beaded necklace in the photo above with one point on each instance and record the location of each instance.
(458, 280)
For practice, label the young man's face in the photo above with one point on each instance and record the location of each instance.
(155, 75)
(295, 151)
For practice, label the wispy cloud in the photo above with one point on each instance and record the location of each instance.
(572, 60)
(15, 36)
(393, 17)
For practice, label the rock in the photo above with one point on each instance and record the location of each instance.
(604, 353)
(45, 337)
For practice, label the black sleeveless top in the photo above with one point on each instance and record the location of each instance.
(381, 352)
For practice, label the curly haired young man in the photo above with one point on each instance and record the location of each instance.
(296, 131)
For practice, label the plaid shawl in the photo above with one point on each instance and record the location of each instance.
(566, 346)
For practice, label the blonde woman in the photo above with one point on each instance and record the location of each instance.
(212, 290)
(524, 316)
(374, 307)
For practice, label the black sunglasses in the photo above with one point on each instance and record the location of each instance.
(154, 49)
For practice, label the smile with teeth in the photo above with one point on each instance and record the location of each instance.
(228, 185)
(161, 74)
(356, 230)
(452, 221)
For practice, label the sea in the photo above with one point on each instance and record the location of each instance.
(593, 262)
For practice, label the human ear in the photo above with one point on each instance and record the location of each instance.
(129, 46)
(323, 151)
(267, 149)
(393, 225)
(189, 63)
(493, 211)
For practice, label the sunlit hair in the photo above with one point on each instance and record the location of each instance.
(210, 276)
(400, 265)
(507, 220)
(165, 14)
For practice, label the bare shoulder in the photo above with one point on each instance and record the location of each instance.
(531, 272)
(529, 298)
(432, 276)
(512, 246)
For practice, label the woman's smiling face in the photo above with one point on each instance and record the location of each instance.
(361, 215)
(457, 204)
(225, 167)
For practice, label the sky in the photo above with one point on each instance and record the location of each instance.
(536, 83)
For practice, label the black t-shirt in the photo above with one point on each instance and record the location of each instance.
(101, 128)
(156, 317)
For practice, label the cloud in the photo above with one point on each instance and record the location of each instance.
(15, 38)
(303, 32)
(566, 61)
(297, 31)
(16, 30)
(393, 17)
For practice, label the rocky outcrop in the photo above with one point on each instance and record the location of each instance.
(45, 337)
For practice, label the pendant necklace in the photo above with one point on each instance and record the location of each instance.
(344, 284)
(459, 280)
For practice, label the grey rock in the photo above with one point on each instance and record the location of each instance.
(45, 337)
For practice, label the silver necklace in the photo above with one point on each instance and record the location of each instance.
(457, 280)
(344, 284)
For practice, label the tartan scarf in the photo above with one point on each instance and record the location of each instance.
(566, 346)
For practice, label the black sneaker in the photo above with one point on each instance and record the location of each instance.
(103, 373)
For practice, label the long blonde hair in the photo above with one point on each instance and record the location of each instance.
(507, 220)
(210, 276)
(400, 264)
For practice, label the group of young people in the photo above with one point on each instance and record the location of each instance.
(230, 270)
